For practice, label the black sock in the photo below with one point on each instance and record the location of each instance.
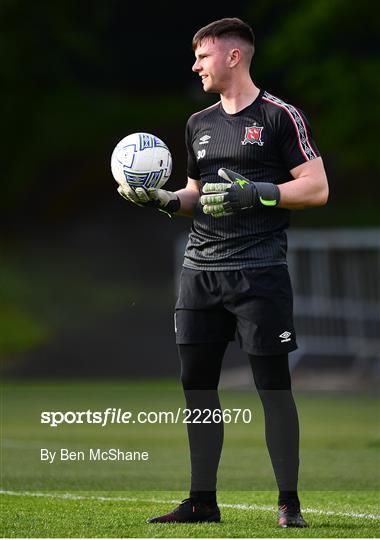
(285, 497)
(207, 497)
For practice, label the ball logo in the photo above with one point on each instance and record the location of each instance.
(253, 135)
(150, 141)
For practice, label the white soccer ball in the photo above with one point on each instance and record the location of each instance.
(141, 160)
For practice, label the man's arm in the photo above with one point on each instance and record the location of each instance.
(189, 197)
(309, 187)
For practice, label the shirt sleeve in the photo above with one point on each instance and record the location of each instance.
(192, 165)
(295, 137)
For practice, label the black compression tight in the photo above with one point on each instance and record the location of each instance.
(272, 379)
(200, 372)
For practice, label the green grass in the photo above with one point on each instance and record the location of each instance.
(339, 465)
(116, 516)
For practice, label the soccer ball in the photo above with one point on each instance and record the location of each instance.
(141, 160)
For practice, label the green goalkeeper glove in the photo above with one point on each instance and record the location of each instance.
(165, 201)
(238, 194)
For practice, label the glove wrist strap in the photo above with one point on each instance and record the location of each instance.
(173, 206)
(267, 194)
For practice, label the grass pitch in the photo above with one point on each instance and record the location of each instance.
(244, 515)
(339, 466)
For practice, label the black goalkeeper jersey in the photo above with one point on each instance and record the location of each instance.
(263, 142)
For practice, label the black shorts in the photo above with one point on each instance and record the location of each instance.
(254, 303)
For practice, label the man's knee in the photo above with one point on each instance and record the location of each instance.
(271, 372)
(201, 364)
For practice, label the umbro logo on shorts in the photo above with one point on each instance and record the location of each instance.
(285, 336)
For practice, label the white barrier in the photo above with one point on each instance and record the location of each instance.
(336, 284)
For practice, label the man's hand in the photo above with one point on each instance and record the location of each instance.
(225, 199)
(165, 201)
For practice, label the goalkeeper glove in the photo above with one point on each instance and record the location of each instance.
(238, 194)
(165, 201)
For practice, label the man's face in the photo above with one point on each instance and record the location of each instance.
(211, 64)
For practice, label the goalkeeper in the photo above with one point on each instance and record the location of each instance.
(251, 159)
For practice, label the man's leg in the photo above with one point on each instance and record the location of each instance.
(200, 372)
(273, 382)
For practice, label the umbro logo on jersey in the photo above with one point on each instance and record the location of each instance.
(205, 139)
(285, 336)
(253, 135)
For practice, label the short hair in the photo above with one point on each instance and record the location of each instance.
(228, 27)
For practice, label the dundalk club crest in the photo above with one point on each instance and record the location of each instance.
(253, 135)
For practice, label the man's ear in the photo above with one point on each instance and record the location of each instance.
(234, 57)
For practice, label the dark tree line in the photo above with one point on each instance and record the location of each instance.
(76, 76)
